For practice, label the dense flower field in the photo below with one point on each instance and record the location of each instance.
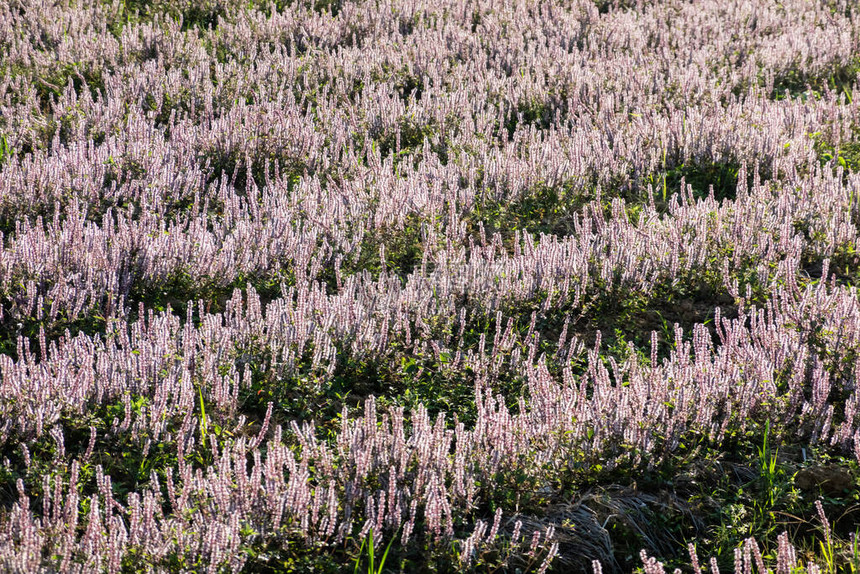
(472, 284)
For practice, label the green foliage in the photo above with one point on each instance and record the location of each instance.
(284, 555)
(14, 325)
(846, 156)
(535, 113)
(180, 289)
(840, 78)
(51, 84)
(412, 138)
(854, 549)
(201, 14)
(542, 210)
(6, 151)
(242, 170)
(768, 470)
(606, 6)
(371, 563)
(701, 176)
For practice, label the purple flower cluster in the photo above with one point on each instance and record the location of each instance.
(295, 149)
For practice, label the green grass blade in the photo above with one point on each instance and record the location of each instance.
(385, 555)
(370, 551)
(360, 552)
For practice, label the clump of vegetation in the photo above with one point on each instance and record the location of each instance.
(313, 286)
